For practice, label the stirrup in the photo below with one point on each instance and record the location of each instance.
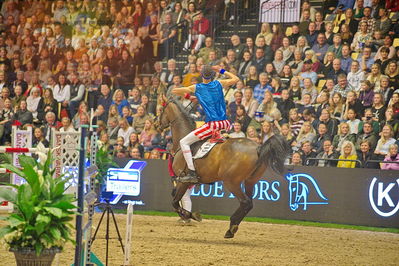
(190, 177)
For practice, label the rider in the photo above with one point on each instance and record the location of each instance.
(209, 94)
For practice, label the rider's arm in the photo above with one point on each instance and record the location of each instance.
(232, 79)
(182, 91)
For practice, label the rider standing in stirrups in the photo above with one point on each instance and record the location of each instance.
(209, 94)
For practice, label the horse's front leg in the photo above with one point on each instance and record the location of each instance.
(181, 188)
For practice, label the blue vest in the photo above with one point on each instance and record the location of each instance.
(211, 98)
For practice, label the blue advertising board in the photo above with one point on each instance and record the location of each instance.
(336, 195)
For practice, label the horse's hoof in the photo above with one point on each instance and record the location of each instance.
(230, 233)
(196, 216)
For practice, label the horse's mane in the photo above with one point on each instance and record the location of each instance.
(183, 111)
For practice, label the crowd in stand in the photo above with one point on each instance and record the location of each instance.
(329, 83)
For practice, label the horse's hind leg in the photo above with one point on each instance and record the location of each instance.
(181, 188)
(245, 206)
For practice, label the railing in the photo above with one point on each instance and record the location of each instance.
(359, 164)
(240, 12)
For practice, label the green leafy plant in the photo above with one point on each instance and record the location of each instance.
(104, 160)
(43, 212)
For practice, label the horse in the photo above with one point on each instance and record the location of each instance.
(235, 161)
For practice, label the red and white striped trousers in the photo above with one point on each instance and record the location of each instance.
(207, 129)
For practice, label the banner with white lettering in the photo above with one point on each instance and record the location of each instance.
(279, 11)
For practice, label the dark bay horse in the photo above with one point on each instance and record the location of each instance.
(235, 161)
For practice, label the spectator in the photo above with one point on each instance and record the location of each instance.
(321, 46)
(336, 47)
(352, 121)
(368, 134)
(295, 90)
(385, 90)
(259, 90)
(267, 107)
(38, 138)
(277, 37)
(321, 136)
(355, 76)
(297, 63)
(167, 34)
(336, 70)
(336, 106)
(361, 37)
(311, 34)
(343, 135)
(306, 133)
(384, 142)
(392, 156)
(295, 34)
(350, 19)
(309, 88)
(139, 119)
(387, 43)
(308, 72)
(266, 131)
(23, 115)
(66, 125)
(6, 116)
(327, 153)
(33, 102)
(307, 153)
(346, 35)
(252, 77)
(266, 33)
(124, 131)
(348, 152)
(237, 131)
(244, 66)
(135, 154)
(147, 135)
(296, 159)
(383, 24)
(77, 91)
(378, 107)
(284, 104)
(199, 31)
(343, 87)
(295, 121)
(252, 134)
(366, 60)
(260, 60)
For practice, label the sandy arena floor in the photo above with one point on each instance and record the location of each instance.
(164, 241)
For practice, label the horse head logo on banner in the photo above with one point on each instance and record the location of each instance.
(299, 187)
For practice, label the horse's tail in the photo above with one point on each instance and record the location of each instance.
(273, 153)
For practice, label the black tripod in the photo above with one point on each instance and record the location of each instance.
(107, 210)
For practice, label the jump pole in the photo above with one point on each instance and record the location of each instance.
(79, 217)
(128, 236)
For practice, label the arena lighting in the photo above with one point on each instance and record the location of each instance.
(383, 194)
(125, 181)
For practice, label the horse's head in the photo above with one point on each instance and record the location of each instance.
(164, 116)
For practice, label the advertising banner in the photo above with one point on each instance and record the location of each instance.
(279, 11)
(335, 195)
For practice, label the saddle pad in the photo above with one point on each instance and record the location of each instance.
(205, 148)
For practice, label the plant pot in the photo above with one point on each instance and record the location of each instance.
(27, 257)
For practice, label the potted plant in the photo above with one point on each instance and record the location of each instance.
(104, 160)
(40, 225)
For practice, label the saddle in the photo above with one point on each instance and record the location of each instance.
(202, 148)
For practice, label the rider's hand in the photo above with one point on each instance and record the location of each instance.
(193, 99)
